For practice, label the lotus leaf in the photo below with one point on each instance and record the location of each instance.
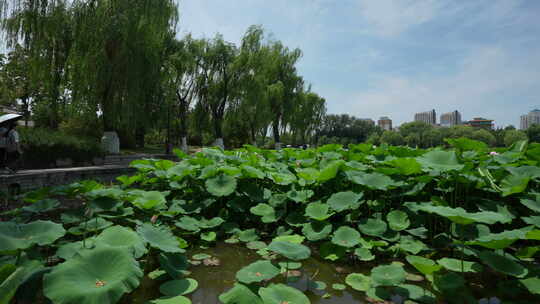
(122, 237)
(11, 277)
(416, 293)
(499, 240)
(338, 286)
(398, 220)
(375, 181)
(406, 166)
(255, 245)
(221, 185)
(44, 205)
(440, 161)
(317, 231)
(262, 210)
(513, 184)
(534, 205)
(289, 250)
(94, 224)
(364, 254)
(15, 236)
(257, 272)
(330, 170)
(252, 172)
(318, 211)
(99, 276)
(212, 223)
(344, 201)
(318, 285)
(188, 223)
(173, 263)
(280, 294)
(532, 284)
(172, 300)
(150, 200)
(346, 237)
(373, 227)
(282, 178)
(239, 294)
(159, 237)
(332, 252)
(388, 275)
(532, 220)
(248, 235)
(289, 265)
(458, 265)
(300, 196)
(358, 281)
(209, 236)
(425, 266)
(309, 174)
(503, 264)
(178, 287)
(448, 281)
(201, 256)
(293, 238)
(459, 215)
(533, 235)
(411, 245)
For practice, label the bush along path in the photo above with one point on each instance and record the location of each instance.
(439, 226)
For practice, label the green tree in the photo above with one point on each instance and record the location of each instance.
(392, 138)
(484, 136)
(533, 133)
(513, 136)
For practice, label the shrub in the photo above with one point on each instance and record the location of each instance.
(42, 147)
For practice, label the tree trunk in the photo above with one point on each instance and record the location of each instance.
(275, 130)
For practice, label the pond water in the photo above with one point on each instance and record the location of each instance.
(214, 280)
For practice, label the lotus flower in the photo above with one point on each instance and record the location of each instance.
(154, 219)
(492, 300)
(492, 153)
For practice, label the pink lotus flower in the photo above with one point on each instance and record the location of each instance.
(154, 219)
(493, 153)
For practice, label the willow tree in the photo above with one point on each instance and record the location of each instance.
(119, 48)
(307, 115)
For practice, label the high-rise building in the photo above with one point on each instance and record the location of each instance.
(530, 119)
(429, 117)
(450, 119)
(385, 123)
(479, 122)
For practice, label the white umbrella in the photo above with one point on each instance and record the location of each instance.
(9, 118)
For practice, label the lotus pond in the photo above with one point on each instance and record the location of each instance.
(328, 225)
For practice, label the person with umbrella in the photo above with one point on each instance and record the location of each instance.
(12, 141)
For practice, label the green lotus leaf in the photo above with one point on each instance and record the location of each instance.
(104, 204)
(248, 235)
(114, 193)
(179, 171)
(173, 263)
(309, 174)
(317, 285)
(533, 235)
(69, 250)
(534, 205)
(415, 293)
(406, 166)
(11, 277)
(262, 210)
(332, 252)
(375, 180)
(457, 265)
(440, 161)
(364, 254)
(293, 238)
(212, 223)
(459, 215)
(346, 237)
(178, 287)
(257, 272)
(388, 275)
(256, 245)
(532, 220)
(411, 245)
(398, 220)
(317, 231)
(466, 144)
(513, 184)
(91, 225)
(448, 281)
(221, 185)
(318, 211)
(15, 236)
(171, 300)
(282, 178)
(338, 286)
(329, 170)
(344, 201)
(239, 294)
(122, 237)
(159, 237)
(503, 264)
(289, 265)
(209, 236)
(188, 223)
(289, 250)
(41, 206)
(358, 281)
(150, 200)
(280, 294)
(499, 240)
(201, 256)
(252, 172)
(99, 276)
(373, 227)
(425, 266)
(532, 284)
(300, 196)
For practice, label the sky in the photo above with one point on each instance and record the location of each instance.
(373, 58)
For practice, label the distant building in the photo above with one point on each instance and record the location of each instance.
(451, 119)
(367, 120)
(530, 119)
(479, 122)
(385, 123)
(429, 117)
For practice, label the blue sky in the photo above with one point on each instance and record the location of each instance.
(373, 58)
